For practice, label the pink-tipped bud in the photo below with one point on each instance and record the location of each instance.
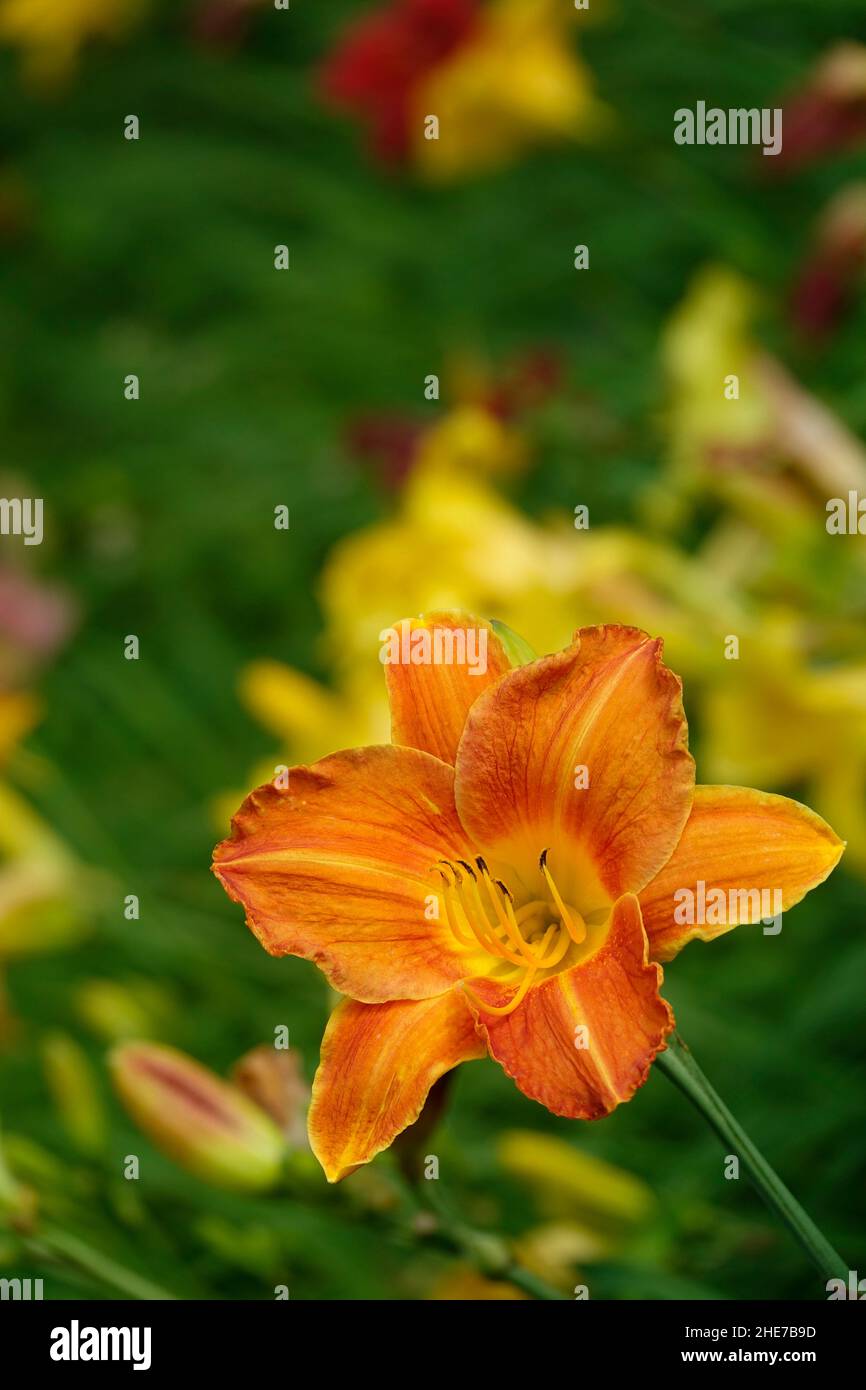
(205, 1124)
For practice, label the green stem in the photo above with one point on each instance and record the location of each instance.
(680, 1067)
(528, 1282)
(488, 1253)
(78, 1255)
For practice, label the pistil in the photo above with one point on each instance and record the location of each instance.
(573, 922)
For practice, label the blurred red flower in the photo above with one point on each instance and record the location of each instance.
(828, 280)
(383, 56)
(828, 115)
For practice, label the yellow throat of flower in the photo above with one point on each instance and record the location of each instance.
(527, 943)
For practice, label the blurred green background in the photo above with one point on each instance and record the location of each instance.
(156, 257)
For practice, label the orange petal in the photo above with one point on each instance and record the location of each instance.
(737, 842)
(610, 1003)
(378, 1064)
(606, 705)
(337, 868)
(430, 698)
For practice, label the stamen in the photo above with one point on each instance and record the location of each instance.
(517, 938)
(575, 928)
(495, 940)
(497, 905)
(464, 940)
(505, 917)
(469, 922)
(503, 1009)
(559, 949)
(528, 953)
(501, 916)
(476, 928)
(530, 910)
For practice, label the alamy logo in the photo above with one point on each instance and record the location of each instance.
(20, 1289)
(718, 907)
(22, 516)
(77, 1343)
(854, 1289)
(434, 646)
(736, 126)
(847, 518)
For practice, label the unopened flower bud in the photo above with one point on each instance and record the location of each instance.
(275, 1082)
(205, 1124)
(75, 1092)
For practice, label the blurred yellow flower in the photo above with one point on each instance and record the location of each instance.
(115, 1010)
(453, 541)
(474, 439)
(555, 1250)
(706, 342)
(52, 33)
(515, 82)
(739, 426)
(19, 711)
(566, 1181)
(308, 719)
(463, 1284)
(301, 712)
(45, 895)
(44, 892)
(772, 716)
(75, 1092)
(458, 87)
(790, 709)
(18, 1201)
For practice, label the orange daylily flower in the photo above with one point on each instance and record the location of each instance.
(503, 877)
